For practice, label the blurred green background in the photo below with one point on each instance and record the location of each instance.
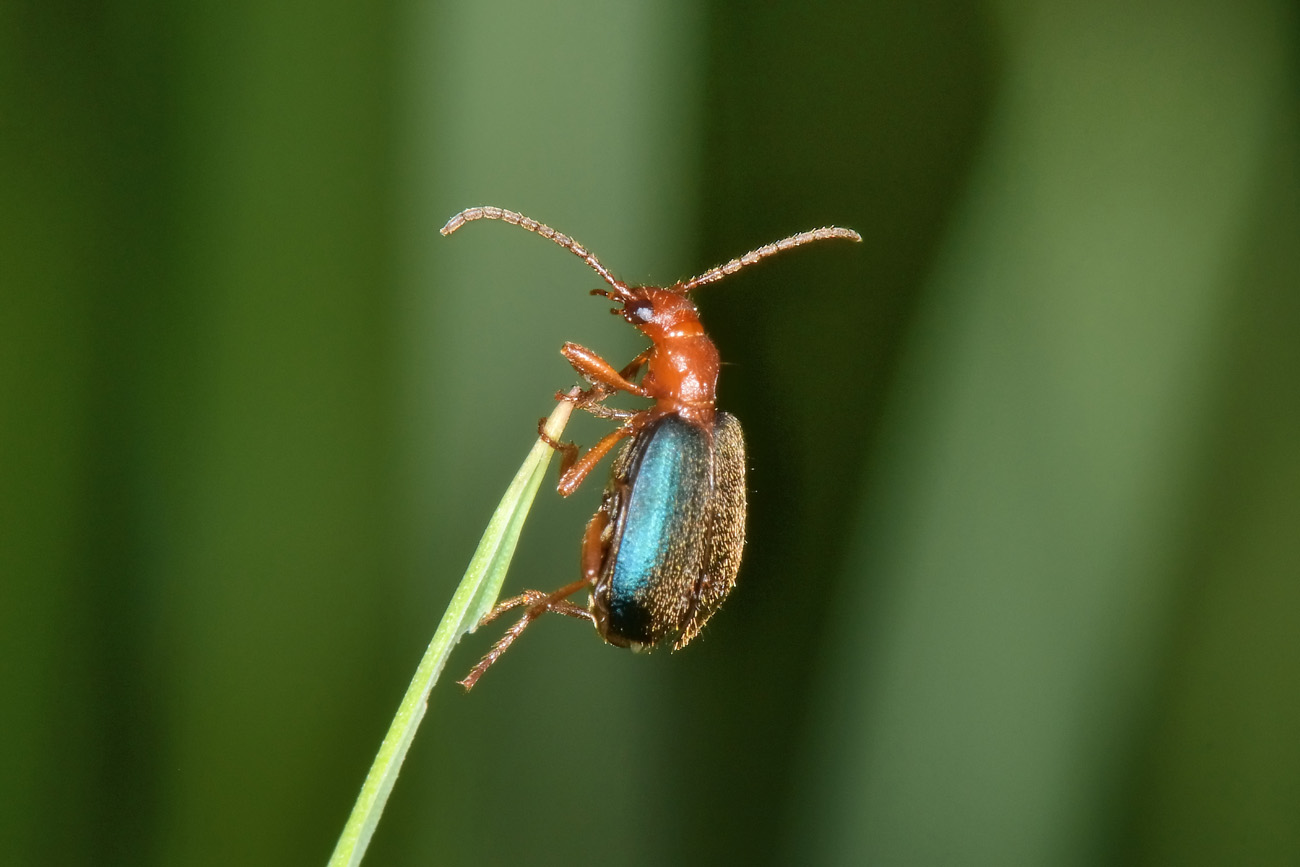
(1023, 575)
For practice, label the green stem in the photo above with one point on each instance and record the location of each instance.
(474, 597)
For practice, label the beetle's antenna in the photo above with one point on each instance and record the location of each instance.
(514, 218)
(715, 274)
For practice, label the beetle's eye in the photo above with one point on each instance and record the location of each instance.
(638, 311)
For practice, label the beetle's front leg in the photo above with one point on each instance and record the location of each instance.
(602, 374)
(592, 400)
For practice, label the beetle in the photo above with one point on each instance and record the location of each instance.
(663, 549)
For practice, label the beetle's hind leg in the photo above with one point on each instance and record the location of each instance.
(538, 604)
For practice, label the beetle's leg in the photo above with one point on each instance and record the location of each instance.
(593, 399)
(571, 476)
(594, 547)
(568, 451)
(538, 604)
(636, 364)
(533, 597)
(604, 380)
(601, 411)
(601, 373)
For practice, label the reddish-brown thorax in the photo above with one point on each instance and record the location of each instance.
(682, 365)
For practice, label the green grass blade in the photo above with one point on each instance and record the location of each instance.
(474, 597)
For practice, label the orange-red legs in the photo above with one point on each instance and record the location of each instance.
(573, 470)
(604, 379)
(538, 604)
(601, 373)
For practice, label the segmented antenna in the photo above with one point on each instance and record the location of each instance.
(516, 219)
(715, 274)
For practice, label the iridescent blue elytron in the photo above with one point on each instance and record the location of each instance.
(675, 507)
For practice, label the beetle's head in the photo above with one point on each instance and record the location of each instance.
(653, 311)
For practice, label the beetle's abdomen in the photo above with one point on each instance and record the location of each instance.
(676, 504)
